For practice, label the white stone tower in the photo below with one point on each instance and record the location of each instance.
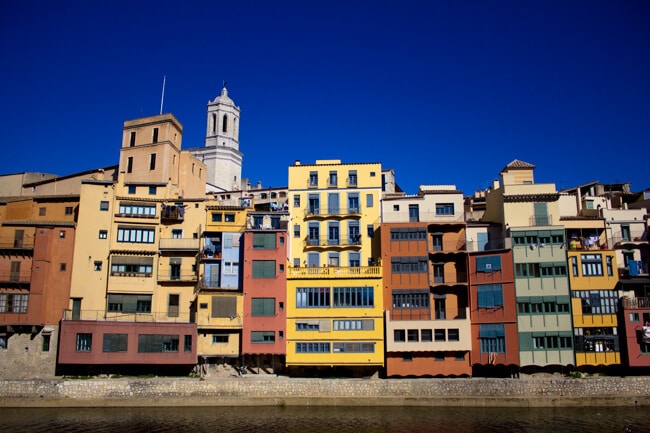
(221, 153)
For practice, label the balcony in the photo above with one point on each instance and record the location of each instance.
(496, 244)
(183, 277)
(334, 272)
(141, 317)
(541, 220)
(620, 238)
(18, 278)
(448, 279)
(634, 268)
(178, 244)
(438, 245)
(172, 214)
(636, 303)
(332, 212)
(326, 242)
(13, 243)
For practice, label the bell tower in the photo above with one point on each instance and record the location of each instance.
(221, 153)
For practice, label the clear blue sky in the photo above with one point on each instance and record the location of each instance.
(441, 91)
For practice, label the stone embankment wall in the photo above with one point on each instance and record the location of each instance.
(278, 391)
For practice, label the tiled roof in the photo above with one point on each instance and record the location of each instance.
(515, 163)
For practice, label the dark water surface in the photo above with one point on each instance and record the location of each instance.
(326, 419)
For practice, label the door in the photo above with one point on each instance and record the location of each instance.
(541, 214)
(414, 213)
(76, 308)
(333, 203)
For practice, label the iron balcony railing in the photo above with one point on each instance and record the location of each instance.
(332, 211)
(25, 242)
(327, 242)
(334, 272)
(118, 316)
(636, 302)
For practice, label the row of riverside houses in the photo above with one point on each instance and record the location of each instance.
(171, 263)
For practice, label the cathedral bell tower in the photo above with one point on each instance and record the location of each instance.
(221, 153)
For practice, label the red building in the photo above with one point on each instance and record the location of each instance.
(634, 317)
(493, 312)
(264, 285)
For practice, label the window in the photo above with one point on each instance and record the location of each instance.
(224, 124)
(45, 347)
(530, 270)
(411, 299)
(307, 326)
(634, 317)
(263, 268)
(597, 301)
(131, 266)
(129, 165)
(262, 337)
(219, 339)
(217, 217)
(68, 210)
(187, 344)
(352, 297)
(399, 335)
(490, 295)
(444, 208)
(62, 234)
(132, 139)
(229, 218)
(115, 343)
(62, 267)
(592, 264)
(84, 342)
(354, 325)
(98, 265)
(313, 297)
(264, 241)
(103, 206)
(135, 235)
(129, 303)
(154, 343)
(13, 303)
(231, 268)
(312, 347)
(173, 305)
(152, 190)
(369, 200)
(492, 338)
(370, 230)
(132, 189)
(488, 264)
(574, 265)
(453, 335)
(152, 161)
(407, 357)
(353, 202)
(408, 234)
(440, 334)
(263, 307)
(413, 335)
(409, 265)
(352, 178)
(354, 347)
(154, 138)
(396, 207)
(333, 179)
(426, 335)
(610, 267)
(296, 200)
(313, 179)
(137, 210)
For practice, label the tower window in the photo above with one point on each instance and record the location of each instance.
(129, 165)
(132, 139)
(224, 127)
(152, 161)
(155, 136)
(214, 123)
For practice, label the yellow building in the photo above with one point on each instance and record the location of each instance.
(334, 281)
(136, 255)
(218, 305)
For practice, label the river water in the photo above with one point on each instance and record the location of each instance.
(325, 419)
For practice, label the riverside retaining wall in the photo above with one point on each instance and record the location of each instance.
(253, 391)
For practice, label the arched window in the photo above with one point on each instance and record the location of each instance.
(225, 124)
(214, 123)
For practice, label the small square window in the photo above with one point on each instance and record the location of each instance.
(68, 210)
(46, 343)
(62, 266)
(152, 190)
(217, 217)
(230, 218)
(281, 268)
(41, 211)
(132, 189)
(103, 205)
(103, 234)
(98, 265)
(372, 174)
(203, 305)
(62, 234)
(396, 207)
(634, 317)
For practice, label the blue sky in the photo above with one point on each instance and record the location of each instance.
(443, 92)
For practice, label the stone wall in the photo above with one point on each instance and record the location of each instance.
(25, 357)
(253, 391)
